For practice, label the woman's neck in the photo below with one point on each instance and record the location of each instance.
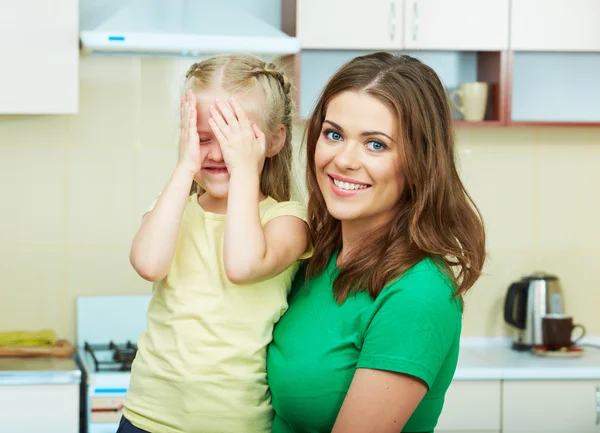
(355, 234)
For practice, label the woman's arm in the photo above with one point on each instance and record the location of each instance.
(154, 244)
(379, 401)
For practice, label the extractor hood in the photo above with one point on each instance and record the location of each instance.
(177, 28)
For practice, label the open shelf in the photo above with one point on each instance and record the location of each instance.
(551, 124)
(482, 124)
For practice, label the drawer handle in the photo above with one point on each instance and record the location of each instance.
(415, 27)
(392, 20)
(597, 405)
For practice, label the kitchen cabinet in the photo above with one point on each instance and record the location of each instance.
(471, 407)
(39, 42)
(337, 24)
(555, 25)
(551, 406)
(48, 408)
(467, 25)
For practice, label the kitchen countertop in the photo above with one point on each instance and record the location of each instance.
(492, 358)
(38, 370)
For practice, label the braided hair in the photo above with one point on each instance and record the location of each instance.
(244, 74)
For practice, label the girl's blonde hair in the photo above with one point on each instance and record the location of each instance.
(246, 74)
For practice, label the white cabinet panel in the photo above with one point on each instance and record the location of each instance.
(468, 25)
(39, 45)
(555, 25)
(471, 407)
(340, 24)
(39, 408)
(551, 406)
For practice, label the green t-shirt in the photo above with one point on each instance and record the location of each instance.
(413, 327)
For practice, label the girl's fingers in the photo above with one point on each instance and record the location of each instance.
(192, 120)
(260, 136)
(227, 114)
(220, 122)
(222, 140)
(239, 112)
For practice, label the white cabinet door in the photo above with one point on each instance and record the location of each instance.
(39, 408)
(551, 406)
(39, 49)
(471, 407)
(555, 25)
(343, 24)
(467, 25)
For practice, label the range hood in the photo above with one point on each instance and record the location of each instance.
(177, 28)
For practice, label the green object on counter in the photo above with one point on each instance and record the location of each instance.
(44, 337)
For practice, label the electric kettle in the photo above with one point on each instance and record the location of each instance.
(527, 302)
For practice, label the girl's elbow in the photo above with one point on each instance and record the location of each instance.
(147, 271)
(239, 274)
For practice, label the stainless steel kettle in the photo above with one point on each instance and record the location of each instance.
(527, 302)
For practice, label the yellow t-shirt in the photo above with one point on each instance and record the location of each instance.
(201, 365)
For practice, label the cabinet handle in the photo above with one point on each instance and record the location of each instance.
(415, 23)
(392, 20)
(597, 405)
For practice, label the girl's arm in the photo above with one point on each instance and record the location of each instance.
(379, 401)
(251, 252)
(154, 244)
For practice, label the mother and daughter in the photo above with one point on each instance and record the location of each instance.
(265, 316)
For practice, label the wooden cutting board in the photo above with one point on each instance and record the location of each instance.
(62, 349)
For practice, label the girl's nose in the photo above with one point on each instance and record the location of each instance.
(214, 152)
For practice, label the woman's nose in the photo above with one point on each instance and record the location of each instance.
(348, 157)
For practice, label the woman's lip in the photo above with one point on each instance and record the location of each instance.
(344, 192)
(347, 179)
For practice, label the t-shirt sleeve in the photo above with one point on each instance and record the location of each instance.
(414, 325)
(289, 208)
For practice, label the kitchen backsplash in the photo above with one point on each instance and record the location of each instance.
(75, 187)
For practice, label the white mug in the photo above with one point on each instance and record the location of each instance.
(473, 100)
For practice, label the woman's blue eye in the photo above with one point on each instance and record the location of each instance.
(332, 135)
(375, 145)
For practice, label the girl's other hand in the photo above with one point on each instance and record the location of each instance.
(242, 142)
(190, 157)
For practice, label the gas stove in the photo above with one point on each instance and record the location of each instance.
(108, 328)
(111, 357)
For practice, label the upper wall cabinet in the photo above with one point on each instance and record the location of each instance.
(462, 25)
(555, 25)
(39, 42)
(340, 24)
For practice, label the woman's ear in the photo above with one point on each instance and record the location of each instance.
(277, 142)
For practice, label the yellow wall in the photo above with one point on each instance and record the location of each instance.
(74, 188)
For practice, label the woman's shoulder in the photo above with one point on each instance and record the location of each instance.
(426, 281)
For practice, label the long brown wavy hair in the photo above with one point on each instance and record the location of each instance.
(243, 74)
(435, 216)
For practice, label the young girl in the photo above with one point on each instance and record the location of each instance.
(221, 257)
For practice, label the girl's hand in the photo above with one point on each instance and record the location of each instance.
(242, 142)
(190, 157)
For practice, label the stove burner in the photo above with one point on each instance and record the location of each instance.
(122, 356)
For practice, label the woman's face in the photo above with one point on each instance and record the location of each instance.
(357, 160)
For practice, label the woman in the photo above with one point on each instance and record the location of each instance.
(370, 341)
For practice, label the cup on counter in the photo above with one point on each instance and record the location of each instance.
(557, 330)
(473, 100)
